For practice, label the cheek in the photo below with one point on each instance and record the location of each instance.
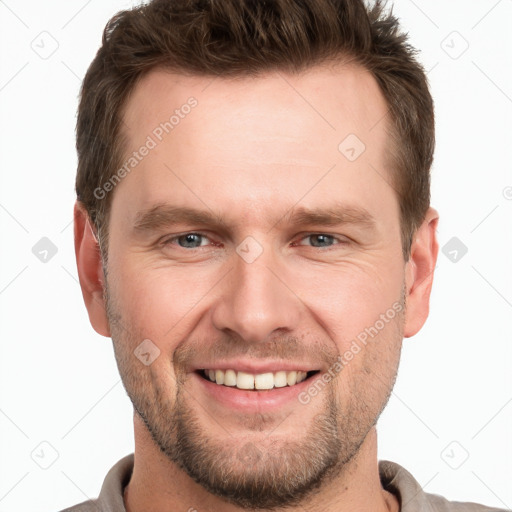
(347, 301)
(160, 301)
(370, 366)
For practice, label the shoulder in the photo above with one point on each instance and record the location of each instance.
(440, 504)
(110, 498)
(86, 506)
(397, 480)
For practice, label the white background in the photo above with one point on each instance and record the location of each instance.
(59, 383)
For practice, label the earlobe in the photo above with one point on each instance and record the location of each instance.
(90, 270)
(419, 273)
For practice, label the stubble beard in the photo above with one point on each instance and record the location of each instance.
(263, 474)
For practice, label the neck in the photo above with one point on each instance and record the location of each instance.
(158, 485)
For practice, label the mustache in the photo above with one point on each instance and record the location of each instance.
(228, 347)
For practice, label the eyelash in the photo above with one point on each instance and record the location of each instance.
(170, 240)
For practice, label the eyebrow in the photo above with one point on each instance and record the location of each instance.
(331, 216)
(165, 215)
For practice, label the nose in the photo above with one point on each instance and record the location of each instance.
(256, 300)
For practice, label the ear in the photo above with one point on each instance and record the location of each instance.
(419, 273)
(90, 270)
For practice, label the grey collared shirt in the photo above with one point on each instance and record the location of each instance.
(394, 478)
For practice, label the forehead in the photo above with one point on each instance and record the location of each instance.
(274, 135)
(331, 99)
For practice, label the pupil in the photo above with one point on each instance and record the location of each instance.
(189, 239)
(322, 238)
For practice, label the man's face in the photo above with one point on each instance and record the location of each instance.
(267, 290)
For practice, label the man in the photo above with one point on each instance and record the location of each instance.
(253, 230)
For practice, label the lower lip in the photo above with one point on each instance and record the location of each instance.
(253, 401)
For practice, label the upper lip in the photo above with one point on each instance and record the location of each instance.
(256, 367)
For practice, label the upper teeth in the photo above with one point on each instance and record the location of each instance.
(243, 380)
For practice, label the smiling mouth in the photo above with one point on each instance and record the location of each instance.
(257, 382)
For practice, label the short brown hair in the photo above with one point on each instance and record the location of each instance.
(237, 37)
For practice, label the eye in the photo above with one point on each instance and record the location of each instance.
(195, 240)
(187, 240)
(321, 240)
